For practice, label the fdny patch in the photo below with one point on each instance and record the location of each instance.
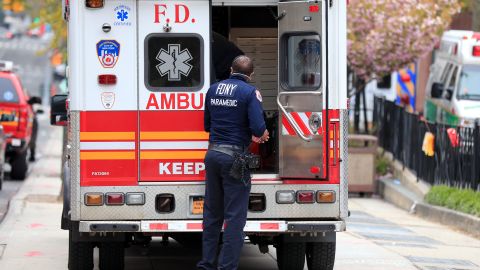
(108, 52)
(259, 96)
(226, 89)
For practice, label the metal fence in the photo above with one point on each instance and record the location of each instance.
(402, 133)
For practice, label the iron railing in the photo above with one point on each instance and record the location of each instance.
(402, 133)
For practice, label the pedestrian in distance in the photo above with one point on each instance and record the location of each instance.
(234, 118)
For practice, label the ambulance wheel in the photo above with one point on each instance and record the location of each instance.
(320, 256)
(19, 166)
(291, 256)
(112, 255)
(80, 255)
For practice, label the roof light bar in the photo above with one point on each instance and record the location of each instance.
(6, 66)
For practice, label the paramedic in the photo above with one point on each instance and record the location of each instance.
(233, 117)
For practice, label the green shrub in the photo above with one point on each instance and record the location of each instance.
(463, 200)
(438, 195)
(382, 165)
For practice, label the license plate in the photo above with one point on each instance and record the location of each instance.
(197, 206)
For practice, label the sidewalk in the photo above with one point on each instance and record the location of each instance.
(31, 227)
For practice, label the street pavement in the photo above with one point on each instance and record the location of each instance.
(379, 236)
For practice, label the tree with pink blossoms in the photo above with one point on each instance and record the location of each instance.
(387, 35)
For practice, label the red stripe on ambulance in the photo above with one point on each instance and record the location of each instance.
(108, 148)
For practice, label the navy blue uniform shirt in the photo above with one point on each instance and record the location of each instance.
(233, 112)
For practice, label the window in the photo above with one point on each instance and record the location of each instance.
(445, 73)
(174, 62)
(453, 79)
(469, 85)
(303, 62)
(385, 82)
(8, 93)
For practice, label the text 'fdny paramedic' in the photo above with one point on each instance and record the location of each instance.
(234, 117)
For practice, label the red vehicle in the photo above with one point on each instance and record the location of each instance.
(18, 120)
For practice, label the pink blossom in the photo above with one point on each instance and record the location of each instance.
(386, 35)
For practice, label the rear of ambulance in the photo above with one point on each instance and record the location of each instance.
(138, 74)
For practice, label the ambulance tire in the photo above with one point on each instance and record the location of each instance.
(19, 166)
(112, 255)
(321, 255)
(291, 256)
(80, 255)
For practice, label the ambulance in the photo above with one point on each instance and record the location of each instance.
(138, 73)
(453, 89)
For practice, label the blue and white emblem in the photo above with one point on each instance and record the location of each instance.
(122, 16)
(108, 52)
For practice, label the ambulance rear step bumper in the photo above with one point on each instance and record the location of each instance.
(152, 226)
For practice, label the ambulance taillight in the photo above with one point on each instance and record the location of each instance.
(305, 196)
(107, 79)
(115, 198)
(94, 3)
(476, 51)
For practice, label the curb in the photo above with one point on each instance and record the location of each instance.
(406, 176)
(393, 191)
(460, 221)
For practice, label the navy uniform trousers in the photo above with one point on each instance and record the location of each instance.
(226, 199)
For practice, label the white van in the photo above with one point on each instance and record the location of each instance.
(453, 89)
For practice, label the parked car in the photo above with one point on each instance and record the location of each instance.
(19, 120)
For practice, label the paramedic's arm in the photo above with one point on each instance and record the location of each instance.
(255, 118)
(206, 116)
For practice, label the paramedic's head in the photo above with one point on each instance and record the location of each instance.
(243, 65)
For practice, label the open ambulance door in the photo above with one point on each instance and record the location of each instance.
(302, 91)
(174, 75)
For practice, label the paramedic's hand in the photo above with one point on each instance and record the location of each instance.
(265, 137)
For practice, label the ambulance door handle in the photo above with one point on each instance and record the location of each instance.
(289, 118)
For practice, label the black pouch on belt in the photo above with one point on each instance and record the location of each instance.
(240, 167)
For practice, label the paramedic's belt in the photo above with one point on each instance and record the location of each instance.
(242, 161)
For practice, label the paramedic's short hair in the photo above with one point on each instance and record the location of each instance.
(242, 64)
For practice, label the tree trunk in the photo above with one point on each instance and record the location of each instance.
(360, 90)
(356, 113)
(476, 14)
(365, 119)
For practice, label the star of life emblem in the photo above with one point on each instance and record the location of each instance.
(174, 62)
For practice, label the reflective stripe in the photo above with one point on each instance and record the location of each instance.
(107, 146)
(302, 119)
(172, 155)
(179, 145)
(111, 155)
(10, 124)
(180, 135)
(106, 136)
(197, 226)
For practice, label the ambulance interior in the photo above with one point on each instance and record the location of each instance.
(255, 31)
